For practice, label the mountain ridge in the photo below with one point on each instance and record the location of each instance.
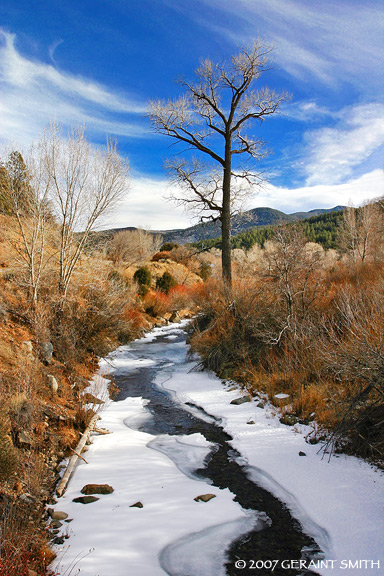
(262, 216)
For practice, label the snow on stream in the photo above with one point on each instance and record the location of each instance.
(339, 502)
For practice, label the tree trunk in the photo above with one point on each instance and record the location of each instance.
(226, 221)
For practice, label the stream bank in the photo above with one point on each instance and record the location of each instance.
(175, 436)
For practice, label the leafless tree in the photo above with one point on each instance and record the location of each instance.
(134, 246)
(84, 184)
(24, 192)
(361, 232)
(293, 265)
(211, 118)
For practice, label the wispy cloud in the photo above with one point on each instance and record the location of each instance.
(327, 41)
(33, 93)
(332, 153)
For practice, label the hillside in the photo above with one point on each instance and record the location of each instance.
(256, 217)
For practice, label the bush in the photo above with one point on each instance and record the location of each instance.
(156, 304)
(8, 453)
(164, 255)
(166, 282)
(168, 246)
(143, 276)
(205, 270)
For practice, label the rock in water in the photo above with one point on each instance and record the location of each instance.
(241, 400)
(97, 489)
(85, 499)
(204, 497)
(57, 514)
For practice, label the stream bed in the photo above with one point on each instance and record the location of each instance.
(275, 505)
(278, 536)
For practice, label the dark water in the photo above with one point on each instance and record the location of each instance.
(283, 539)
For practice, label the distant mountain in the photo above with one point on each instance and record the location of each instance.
(240, 223)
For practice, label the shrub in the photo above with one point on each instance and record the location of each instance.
(164, 255)
(156, 303)
(205, 270)
(168, 246)
(143, 276)
(8, 453)
(166, 282)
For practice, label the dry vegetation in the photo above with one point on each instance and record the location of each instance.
(60, 310)
(308, 323)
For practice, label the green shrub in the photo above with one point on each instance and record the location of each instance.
(205, 270)
(168, 246)
(166, 282)
(143, 276)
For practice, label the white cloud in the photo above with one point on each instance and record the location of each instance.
(289, 200)
(146, 205)
(33, 93)
(334, 152)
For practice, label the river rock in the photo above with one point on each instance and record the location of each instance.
(137, 505)
(85, 499)
(57, 514)
(204, 497)
(241, 400)
(97, 489)
(288, 420)
(175, 318)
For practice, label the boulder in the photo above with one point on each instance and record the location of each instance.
(46, 350)
(288, 420)
(175, 318)
(52, 383)
(27, 347)
(57, 514)
(302, 453)
(241, 400)
(85, 499)
(25, 439)
(97, 489)
(204, 497)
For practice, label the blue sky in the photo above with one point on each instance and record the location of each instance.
(99, 63)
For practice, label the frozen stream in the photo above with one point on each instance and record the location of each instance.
(165, 450)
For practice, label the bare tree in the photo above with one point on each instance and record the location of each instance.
(293, 265)
(84, 184)
(24, 193)
(361, 231)
(211, 118)
(134, 246)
